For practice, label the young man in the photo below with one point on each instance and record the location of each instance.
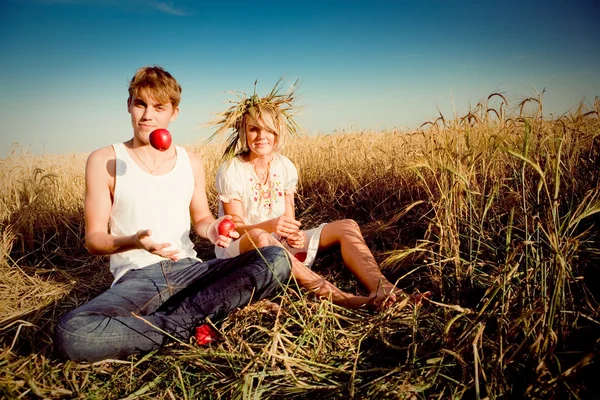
(139, 206)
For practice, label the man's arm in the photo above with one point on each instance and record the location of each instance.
(203, 221)
(100, 172)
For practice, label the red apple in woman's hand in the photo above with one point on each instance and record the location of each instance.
(226, 227)
(160, 139)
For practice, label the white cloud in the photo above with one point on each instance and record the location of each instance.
(169, 8)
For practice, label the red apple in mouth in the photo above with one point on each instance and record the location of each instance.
(160, 139)
(226, 227)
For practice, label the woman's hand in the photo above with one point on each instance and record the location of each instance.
(297, 240)
(284, 226)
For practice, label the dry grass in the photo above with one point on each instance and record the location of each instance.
(494, 212)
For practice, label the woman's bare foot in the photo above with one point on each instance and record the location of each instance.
(388, 294)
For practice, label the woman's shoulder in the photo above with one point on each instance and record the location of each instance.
(232, 166)
(230, 176)
(284, 160)
(227, 164)
(287, 165)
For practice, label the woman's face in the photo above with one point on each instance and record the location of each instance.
(260, 139)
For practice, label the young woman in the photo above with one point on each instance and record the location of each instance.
(256, 186)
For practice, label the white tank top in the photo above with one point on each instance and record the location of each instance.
(143, 201)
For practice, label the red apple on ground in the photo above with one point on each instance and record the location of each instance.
(226, 227)
(160, 139)
(205, 334)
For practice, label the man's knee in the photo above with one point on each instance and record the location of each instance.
(75, 340)
(66, 339)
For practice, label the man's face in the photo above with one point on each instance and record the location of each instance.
(148, 114)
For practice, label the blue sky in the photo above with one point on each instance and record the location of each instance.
(363, 65)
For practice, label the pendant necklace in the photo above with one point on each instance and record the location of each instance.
(263, 177)
(146, 165)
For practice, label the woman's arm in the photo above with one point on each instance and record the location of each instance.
(283, 225)
(296, 239)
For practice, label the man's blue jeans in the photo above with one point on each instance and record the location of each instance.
(170, 296)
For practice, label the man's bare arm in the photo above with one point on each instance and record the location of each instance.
(203, 221)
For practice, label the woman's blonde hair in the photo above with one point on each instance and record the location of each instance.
(277, 106)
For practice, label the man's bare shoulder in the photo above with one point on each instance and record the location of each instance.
(195, 159)
(102, 161)
(102, 154)
(193, 155)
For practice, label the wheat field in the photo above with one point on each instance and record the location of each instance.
(495, 212)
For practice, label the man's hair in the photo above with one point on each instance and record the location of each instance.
(159, 83)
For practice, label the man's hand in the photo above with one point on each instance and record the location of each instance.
(220, 240)
(145, 242)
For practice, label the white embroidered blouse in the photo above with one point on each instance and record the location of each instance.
(237, 180)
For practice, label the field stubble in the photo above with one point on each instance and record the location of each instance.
(497, 215)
